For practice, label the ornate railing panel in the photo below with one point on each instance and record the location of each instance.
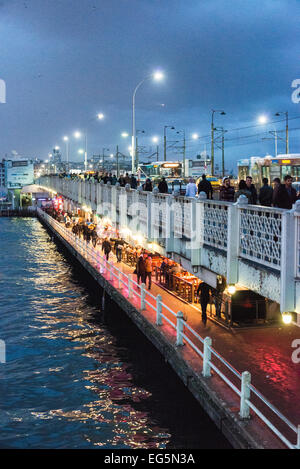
(215, 224)
(260, 235)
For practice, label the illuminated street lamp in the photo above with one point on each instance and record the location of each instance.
(156, 140)
(157, 76)
(262, 119)
(78, 135)
(287, 318)
(66, 140)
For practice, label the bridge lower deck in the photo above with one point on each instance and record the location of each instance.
(265, 352)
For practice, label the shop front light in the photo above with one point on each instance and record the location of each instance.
(231, 289)
(287, 318)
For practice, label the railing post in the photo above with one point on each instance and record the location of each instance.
(158, 310)
(206, 357)
(130, 286)
(298, 437)
(245, 395)
(143, 294)
(179, 328)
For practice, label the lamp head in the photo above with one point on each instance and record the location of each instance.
(158, 76)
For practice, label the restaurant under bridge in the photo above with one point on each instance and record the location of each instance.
(251, 249)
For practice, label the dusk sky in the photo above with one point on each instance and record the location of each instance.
(64, 61)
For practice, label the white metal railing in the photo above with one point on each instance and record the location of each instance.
(185, 334)
(260, 228)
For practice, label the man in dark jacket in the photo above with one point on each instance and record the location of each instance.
(141, 270)
(226, 191)
(286, 195)
(163, 186)
(205, 186)
(106, 247)
(251, 188)
(265, 194)
(203, 292)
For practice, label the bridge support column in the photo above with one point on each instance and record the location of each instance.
(288, 260)
(233, 239)
(197, 230)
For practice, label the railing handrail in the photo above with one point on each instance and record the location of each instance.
(207, 348)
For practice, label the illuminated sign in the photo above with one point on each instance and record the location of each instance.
(170, 165)
(286, 161)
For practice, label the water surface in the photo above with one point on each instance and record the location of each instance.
(78, 377)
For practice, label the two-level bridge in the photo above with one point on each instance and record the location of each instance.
(252, 246)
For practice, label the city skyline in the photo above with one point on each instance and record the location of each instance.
(65, 63)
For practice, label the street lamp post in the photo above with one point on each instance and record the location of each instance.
(134, 162)
(286, 129)
(103, 156)
(165, 139)
(222, 130)
(66, 139)
(212, 157)
(184, 148)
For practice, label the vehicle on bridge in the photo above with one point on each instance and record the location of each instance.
(270, 167)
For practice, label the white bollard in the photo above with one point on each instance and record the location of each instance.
(129, 286)
(206, 357)
(143, 295)
(245, 395)
(158, 310)
(179, 328)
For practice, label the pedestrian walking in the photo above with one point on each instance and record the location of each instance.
(203, 292)
(191, 188)
(106, 247)
(226, 191)
(205, 186)
(148, 268)
(119, 249)
(141, 270)
(266, 194)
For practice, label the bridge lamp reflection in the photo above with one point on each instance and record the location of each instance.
(231, 289)
(287, 318)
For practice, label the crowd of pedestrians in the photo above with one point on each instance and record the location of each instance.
(281, 195)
